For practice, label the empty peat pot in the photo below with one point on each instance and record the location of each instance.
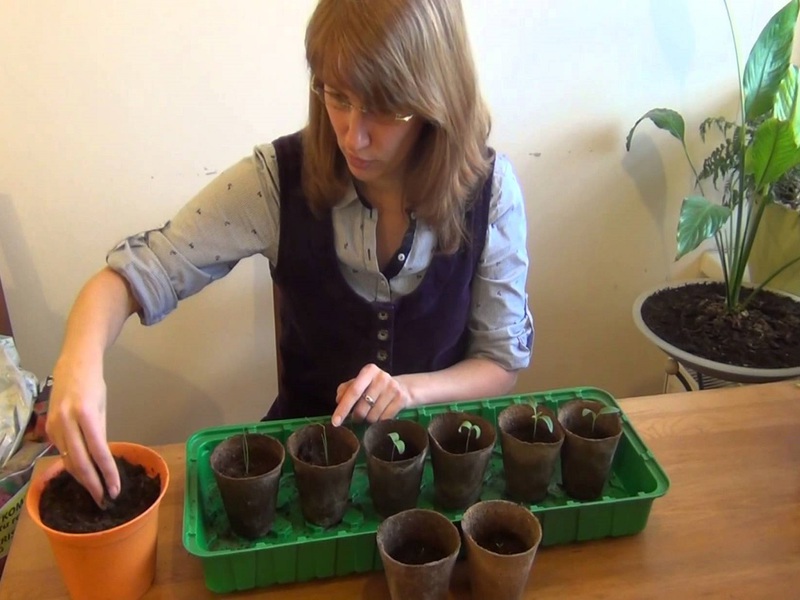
(501, 538)
(418, 548)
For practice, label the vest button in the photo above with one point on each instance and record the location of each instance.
(382, 355)
(383, 315)
(383, 335)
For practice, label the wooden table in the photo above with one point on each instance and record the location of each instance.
(729, 526)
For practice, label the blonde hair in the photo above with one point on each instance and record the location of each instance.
(402, 56)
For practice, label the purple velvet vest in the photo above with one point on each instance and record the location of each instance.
(329, 332)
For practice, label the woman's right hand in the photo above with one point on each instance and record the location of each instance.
(76, 424)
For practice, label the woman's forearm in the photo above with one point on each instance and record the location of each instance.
(469, 379)
(96, 318)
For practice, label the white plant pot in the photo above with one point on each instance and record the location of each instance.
(712, 368)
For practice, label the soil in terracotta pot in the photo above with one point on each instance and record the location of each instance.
(502, 542)
(417, 553)
(693, 318)
(66, 506)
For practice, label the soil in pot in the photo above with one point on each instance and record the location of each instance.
(501, 538)
(589, 446)
(66, 505)
(395, 476)
(324, 458)
(247, 470)
(418, 549)
(530, 450)
(460, 456)
(693, 318)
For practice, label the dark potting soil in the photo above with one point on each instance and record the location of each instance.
(417, 553)
(386, 451)
(525, 433)
(693, 318)
(313, 452)
(502, 542)
(234, 465)
(457, 443)
(66, 506)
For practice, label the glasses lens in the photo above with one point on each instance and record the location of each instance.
(336, 101)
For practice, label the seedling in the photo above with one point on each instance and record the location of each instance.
(245, 452)
(606, 410)
(325, 443)
(540, 416)
(397, 444)
(470, 430)
(324, 440)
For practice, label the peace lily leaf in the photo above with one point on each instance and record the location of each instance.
(663, 118)
(699, 220)
(768, 62)
(786, 108)
(772, 152)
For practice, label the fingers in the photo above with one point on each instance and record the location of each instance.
(78, 430)
(371, 396)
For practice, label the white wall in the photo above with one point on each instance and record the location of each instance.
(113, 113)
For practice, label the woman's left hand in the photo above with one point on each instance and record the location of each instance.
(373, 395)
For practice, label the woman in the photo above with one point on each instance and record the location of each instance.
(395, 235)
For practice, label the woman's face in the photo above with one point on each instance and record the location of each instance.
(376, 146)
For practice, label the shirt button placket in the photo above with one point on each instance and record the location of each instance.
(384, 327)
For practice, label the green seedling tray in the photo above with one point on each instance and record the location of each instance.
(296, 551)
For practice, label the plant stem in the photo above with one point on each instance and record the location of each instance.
(325, 443)
(245, 453)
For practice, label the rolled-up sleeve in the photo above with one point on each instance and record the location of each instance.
(501, 324)
(233, 217)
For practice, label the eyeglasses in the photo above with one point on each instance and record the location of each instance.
(338, 102)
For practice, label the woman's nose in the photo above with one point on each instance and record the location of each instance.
(357, 135)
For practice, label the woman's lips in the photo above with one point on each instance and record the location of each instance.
(358, 163)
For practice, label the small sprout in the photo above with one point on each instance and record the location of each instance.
(325, 443)
(540, 416)
(324, 440)
(397, 444)
(606, 410)
(245, 452)
(470, 429)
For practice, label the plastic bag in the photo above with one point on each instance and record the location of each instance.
(18, 390)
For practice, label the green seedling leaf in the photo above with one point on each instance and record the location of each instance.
(471, 429)
(606, 410)
(397, 444)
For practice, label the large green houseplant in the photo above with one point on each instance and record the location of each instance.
(735, 185)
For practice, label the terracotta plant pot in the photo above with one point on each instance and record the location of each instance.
(117, 563)
(249, 491)
(587, 453)
(530, 451)
(418, 549)
(459, 463)
(501, 539)
(394, 478)
(323, 485)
